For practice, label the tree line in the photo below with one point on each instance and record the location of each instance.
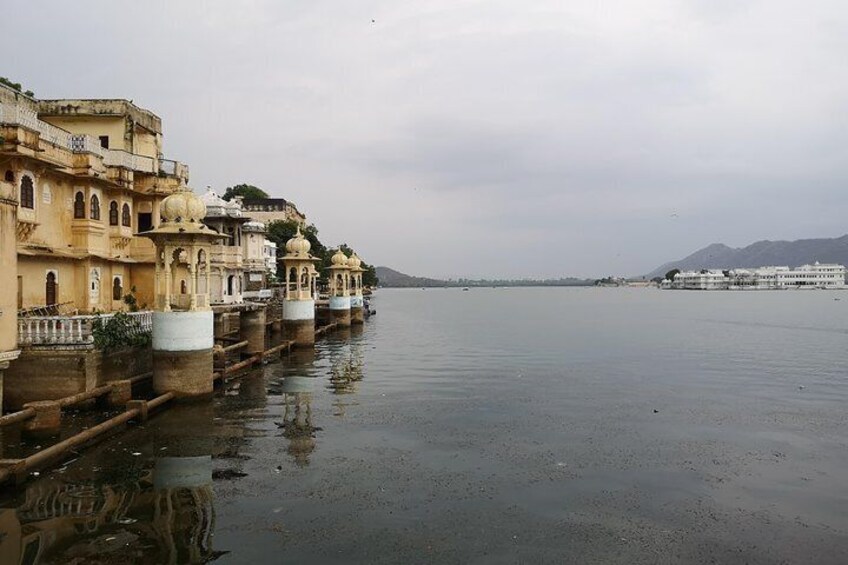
(281, 231)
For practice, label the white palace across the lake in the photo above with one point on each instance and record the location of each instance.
(817, 275)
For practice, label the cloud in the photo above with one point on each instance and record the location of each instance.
(497, 138)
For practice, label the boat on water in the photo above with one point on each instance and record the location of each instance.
(465, 288)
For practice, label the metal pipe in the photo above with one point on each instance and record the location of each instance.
(244, 364)
(46, 455)
(83, 396)
(16, 417)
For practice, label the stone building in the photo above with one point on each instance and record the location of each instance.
(269, 210)
(255, 265)
(87, 175)
(227, 255)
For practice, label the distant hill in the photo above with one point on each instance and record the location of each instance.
(760, 254)
(391, 278)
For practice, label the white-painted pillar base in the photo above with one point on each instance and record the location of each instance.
(182, 352)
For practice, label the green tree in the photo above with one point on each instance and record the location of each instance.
(16, 86)
(670, 275)
(248, 191)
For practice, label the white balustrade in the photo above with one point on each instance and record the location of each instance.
(71, 330)
(19, 115)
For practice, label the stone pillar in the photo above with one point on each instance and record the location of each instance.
(8, 276)
(182, 353)
(299, 322)
(357, 309)
(120, 394)
(340, 310)
(47, 420)
(252, 329)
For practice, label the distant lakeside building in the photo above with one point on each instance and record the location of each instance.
(269, 210)
(817, 275)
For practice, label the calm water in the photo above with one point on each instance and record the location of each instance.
(490, 426)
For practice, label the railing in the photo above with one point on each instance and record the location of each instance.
(173, 168)
(22, 116)
(71, 330)
(19, 115)
(120, 158)
(83, 143)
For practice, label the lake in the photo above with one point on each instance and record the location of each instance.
(503, 425)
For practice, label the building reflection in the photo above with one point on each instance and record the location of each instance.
(297, 418)
(118, 507)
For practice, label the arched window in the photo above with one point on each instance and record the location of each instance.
(51, 289)
(79, 206)
(113, 214)
(27, 192)
(117, 289)
(95, 207)
(183, 287)
(125, 215)
(10, 176)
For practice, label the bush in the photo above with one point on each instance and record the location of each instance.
(119, 331)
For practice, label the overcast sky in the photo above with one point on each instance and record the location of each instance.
(484, 138)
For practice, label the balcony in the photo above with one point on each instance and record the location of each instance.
(72, 330)
(18, 115)
(228, 256)
(120, 237)
(170, 168)
(131, 161)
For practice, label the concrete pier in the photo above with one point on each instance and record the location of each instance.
(252, 329)
(183, 322)
(299, 322)
(182, 353)
(299, 301)
(47, 420)
(340, 310)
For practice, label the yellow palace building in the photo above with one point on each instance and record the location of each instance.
(88, 175)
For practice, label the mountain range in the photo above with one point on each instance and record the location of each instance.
(761, 254)
(392, 278)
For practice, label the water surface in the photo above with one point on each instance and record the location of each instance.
(557, 425)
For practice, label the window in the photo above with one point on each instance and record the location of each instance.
(183, 288)
(51, 289)
(79, 206)
(125, 215)
(104, 141)
(27, 192)
(95, 207)
(113, 213)
(117, 289)
(145, 221)
(10, 176)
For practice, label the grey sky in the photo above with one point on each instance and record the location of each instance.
(485, 138)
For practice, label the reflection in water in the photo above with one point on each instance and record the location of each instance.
(165, 516)
(146, 496)
(118, 506)
(297, 418)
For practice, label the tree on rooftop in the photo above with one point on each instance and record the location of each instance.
(16, 86)
(670, 275)
(247, 191)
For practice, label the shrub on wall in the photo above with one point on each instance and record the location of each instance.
(119, 331)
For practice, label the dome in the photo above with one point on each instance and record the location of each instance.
(182, 206)
(339, 259)
(354, 262)
(298, 245)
